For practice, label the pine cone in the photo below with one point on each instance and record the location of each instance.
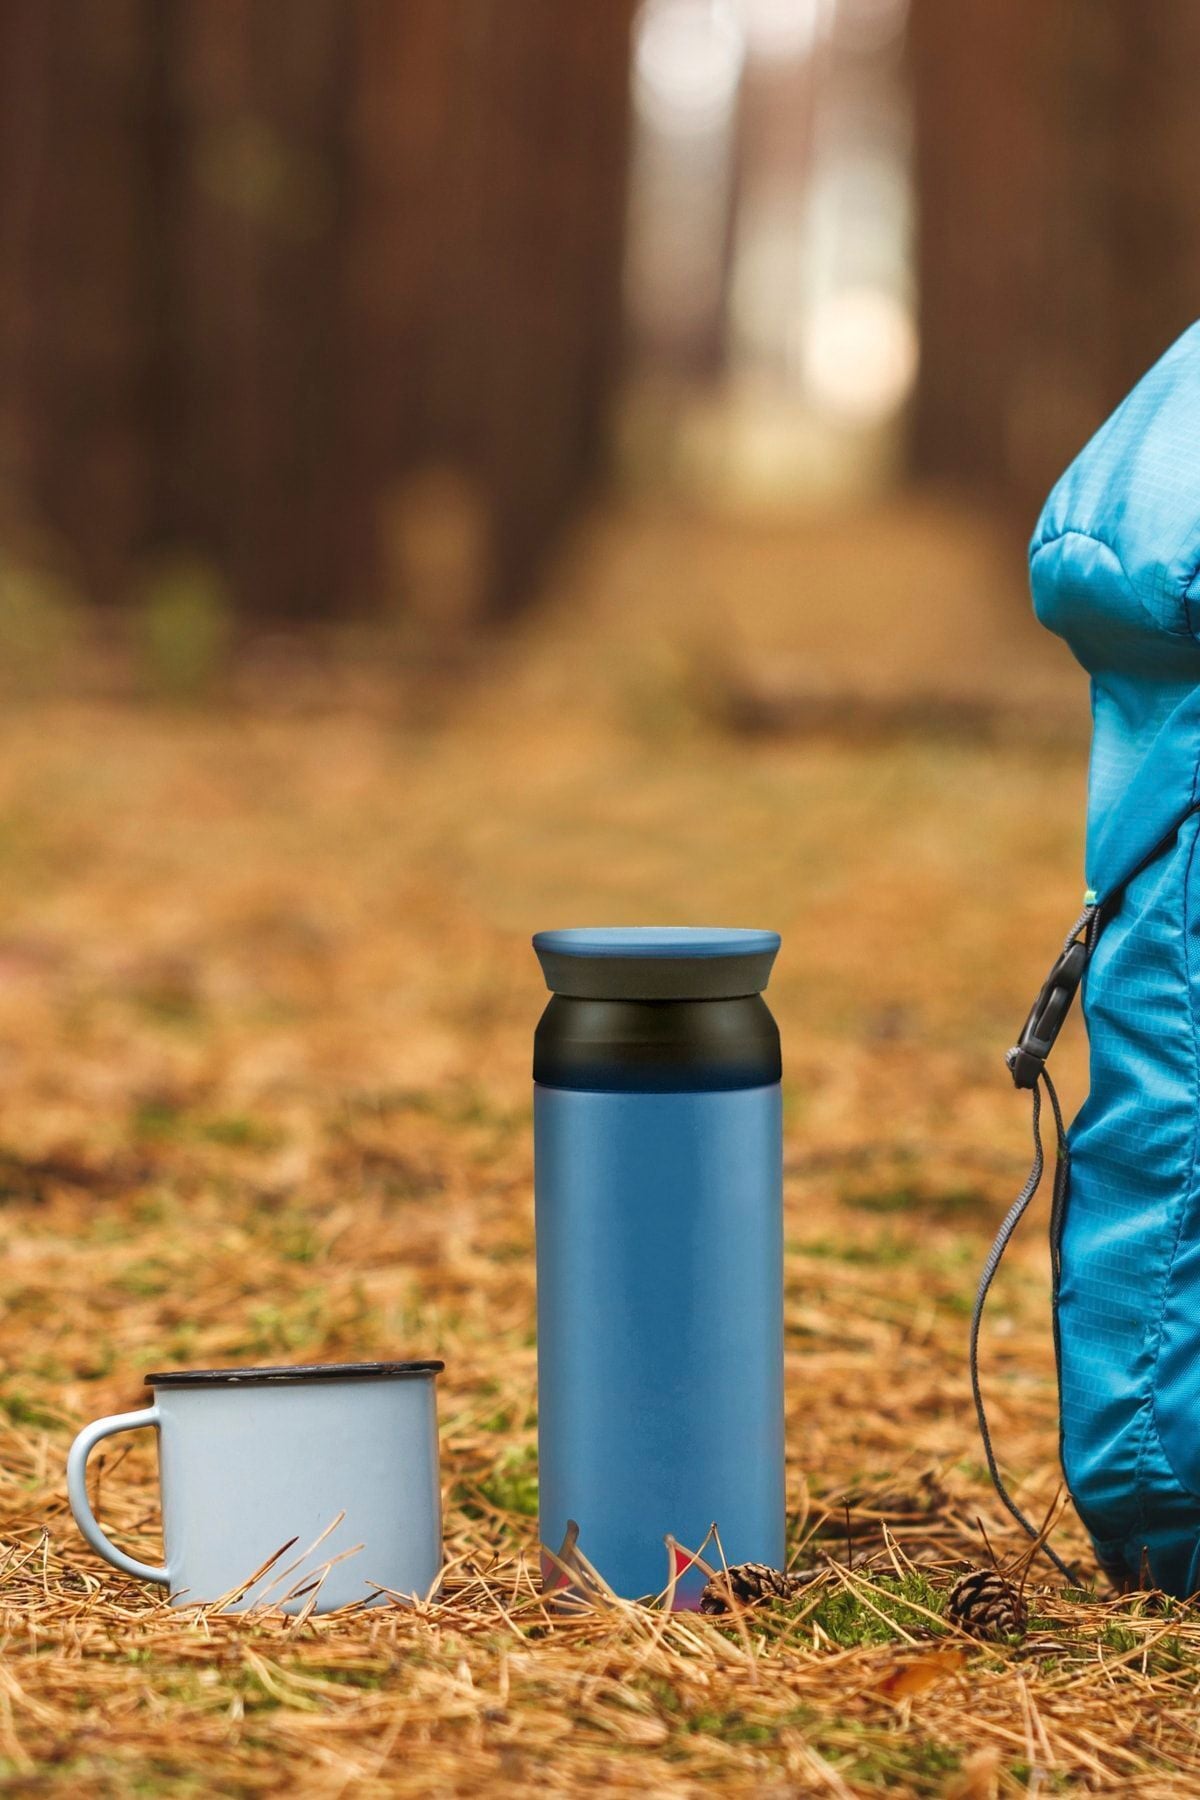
(986, 1604)
(751, 1584)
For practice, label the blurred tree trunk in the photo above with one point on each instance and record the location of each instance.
(327, 294)
(74, 100)
(1156, 178)
(1059, 242)
(483, 273)
(256, 234)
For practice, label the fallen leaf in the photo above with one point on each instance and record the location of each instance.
(978, 1779)
(923, 1672)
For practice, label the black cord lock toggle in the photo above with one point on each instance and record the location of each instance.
(1040, 1031)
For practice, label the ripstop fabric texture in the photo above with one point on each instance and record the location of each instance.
(1115, 571)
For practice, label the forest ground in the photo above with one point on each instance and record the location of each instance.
(266, 1003)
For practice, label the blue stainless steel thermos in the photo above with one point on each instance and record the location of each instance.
(658, 1157)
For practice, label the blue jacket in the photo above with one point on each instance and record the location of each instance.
(1115, 567)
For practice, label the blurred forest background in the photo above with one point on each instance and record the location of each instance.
(338, 309)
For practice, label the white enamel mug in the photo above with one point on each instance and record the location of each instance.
(328, 1473)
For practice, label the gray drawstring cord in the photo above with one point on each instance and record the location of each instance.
(995, 1255)
(1088, 923)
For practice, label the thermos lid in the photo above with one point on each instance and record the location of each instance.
(656, 962)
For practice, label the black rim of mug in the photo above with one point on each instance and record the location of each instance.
(286, 1372)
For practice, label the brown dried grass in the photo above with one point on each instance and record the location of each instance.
(265, 1010)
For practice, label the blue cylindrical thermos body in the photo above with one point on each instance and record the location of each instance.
(658, 1159)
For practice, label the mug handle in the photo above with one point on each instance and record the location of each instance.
(77, 1492)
